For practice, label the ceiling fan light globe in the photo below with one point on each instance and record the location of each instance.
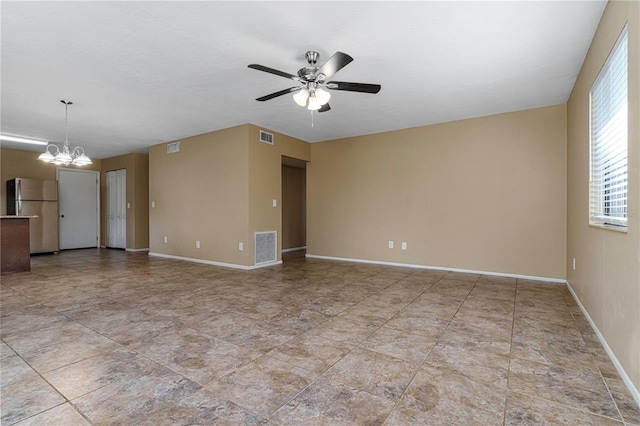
(301, 97)
(322, 96)
(314, 104)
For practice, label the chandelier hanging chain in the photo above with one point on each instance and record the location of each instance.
(66, 120)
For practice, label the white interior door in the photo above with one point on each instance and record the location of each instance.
(78, 195)
(117, 208)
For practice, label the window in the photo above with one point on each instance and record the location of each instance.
(608, 104)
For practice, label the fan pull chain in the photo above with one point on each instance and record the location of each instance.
(311, 118)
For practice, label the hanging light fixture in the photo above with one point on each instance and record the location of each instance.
(313, 97)
(65, 156)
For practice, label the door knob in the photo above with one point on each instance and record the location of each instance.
(61, 215)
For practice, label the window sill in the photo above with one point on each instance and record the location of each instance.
(620, 229)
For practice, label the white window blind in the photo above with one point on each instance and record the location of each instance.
(608, 102)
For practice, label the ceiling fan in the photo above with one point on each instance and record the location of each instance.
(313, 80)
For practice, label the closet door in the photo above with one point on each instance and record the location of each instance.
(117, 209)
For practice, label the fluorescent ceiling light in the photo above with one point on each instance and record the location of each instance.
(22, 140)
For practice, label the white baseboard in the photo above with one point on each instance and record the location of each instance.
(293, 249)
(214, 263)
(138, 249)
(623, 374)
(439, 268)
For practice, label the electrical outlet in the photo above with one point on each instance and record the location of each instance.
(166, 240)
(240, 246)
(275, 203)
(128, 205)
(404, 245)
(390, 244)
(153, 204)
(197, 243)
(573, 263)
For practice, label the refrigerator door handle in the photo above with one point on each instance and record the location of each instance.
(19, 210)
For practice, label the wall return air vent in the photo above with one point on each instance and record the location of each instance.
(173, 147)
(266, 137)
(266, 246)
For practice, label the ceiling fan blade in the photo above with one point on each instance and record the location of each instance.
(334, 64)
(280, 93)
(354, 87)
(324, 108)
(272, 71)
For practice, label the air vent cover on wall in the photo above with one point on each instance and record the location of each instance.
(172, 148)
(266, 137)
(266, 245)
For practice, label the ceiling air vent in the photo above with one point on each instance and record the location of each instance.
(266, 137)
(172, 148)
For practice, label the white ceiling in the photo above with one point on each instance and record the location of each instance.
(143, 73)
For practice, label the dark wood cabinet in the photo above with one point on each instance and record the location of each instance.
(15, 250)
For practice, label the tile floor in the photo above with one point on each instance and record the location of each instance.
(106, 337)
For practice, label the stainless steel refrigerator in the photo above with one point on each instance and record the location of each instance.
(27, 197)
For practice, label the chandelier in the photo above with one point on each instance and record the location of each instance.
(65, 156)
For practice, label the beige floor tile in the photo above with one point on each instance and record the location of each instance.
(117, 366)
(312, 353)
(58, 355)
(580, 390)
(472, 361)
(406, 346)
(261, 337)
(440, 396)
(135, 400)
(14, 370)
(263, 385)
(310, 341)
(417, 324)
(369, 314)
(372, 372)
(56, 333)
(326, 402)
(624, 401)
(528, 410)
(203, 408)
(26, 398)
(63, 414)
(195, 355)
(344, 331)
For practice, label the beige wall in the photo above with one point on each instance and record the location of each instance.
(25, 164)
(294, 215)
(201, 193)
(137, 167)
(218, 189)
(607, 275)
(483, 194)
(265, 180)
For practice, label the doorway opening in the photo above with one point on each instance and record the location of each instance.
(294, 208)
